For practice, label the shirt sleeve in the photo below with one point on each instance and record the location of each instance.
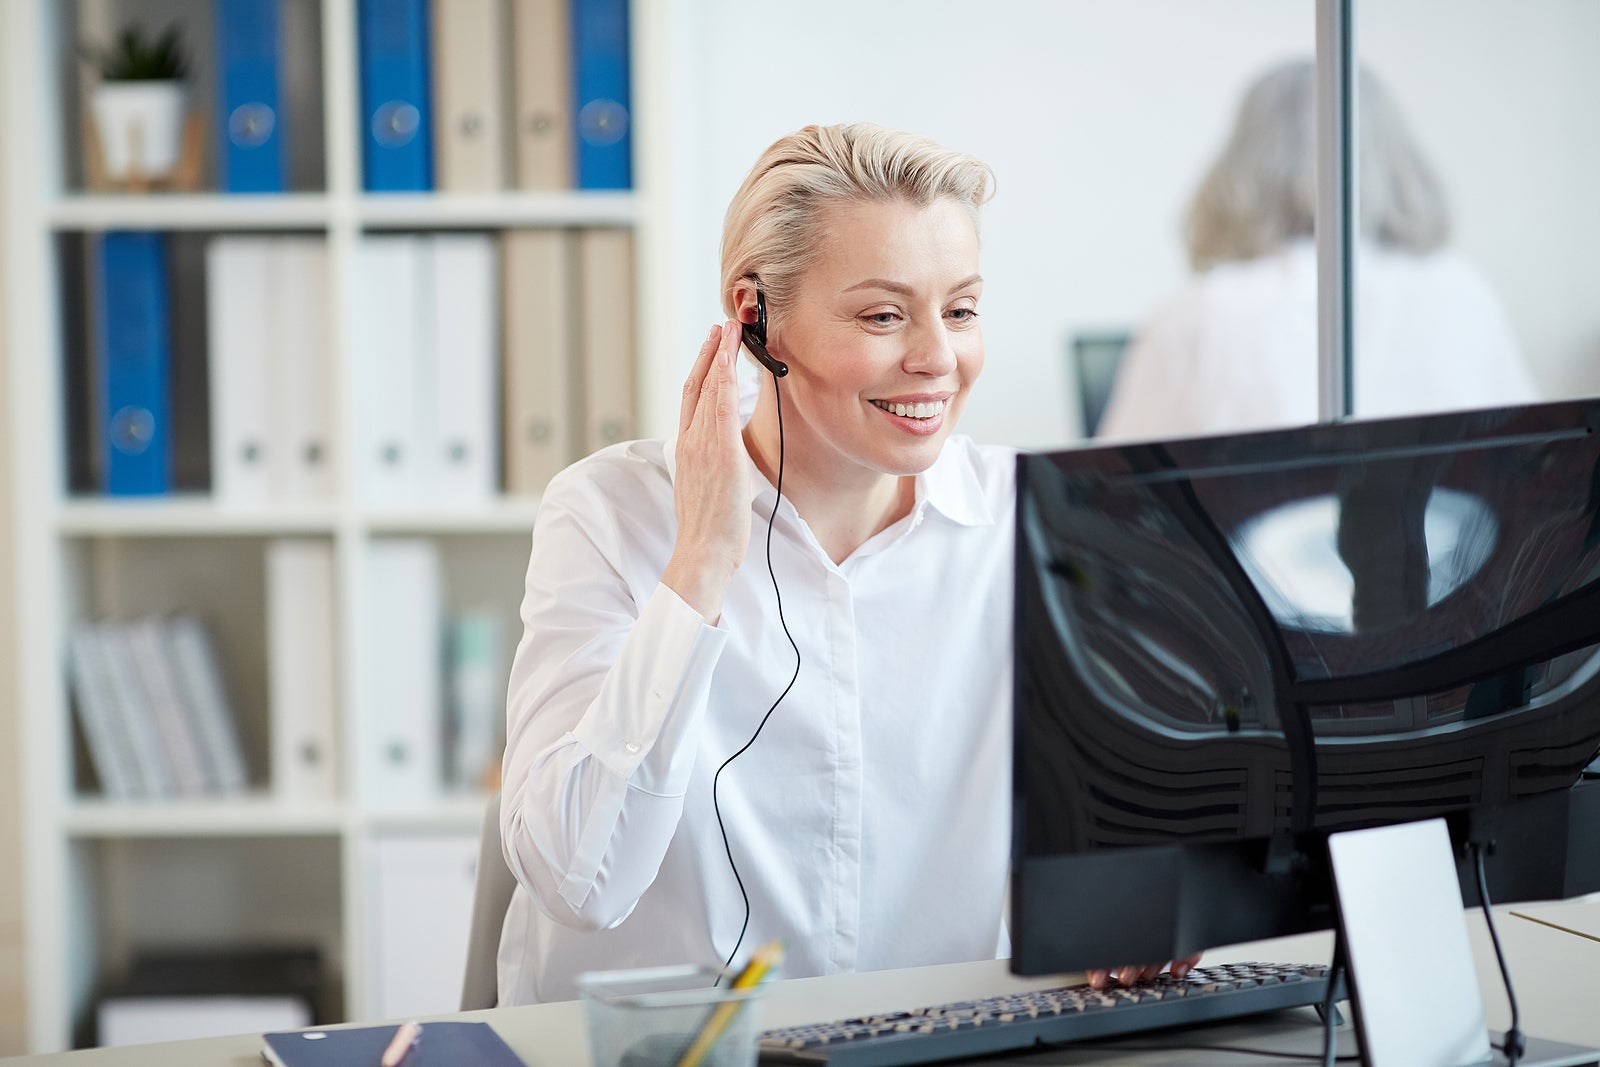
(603, 716)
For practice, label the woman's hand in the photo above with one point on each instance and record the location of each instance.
(1129, 975)
(711, 487)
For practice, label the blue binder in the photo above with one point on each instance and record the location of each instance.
(251, 141)
(134, 351)
(396, 108)
(601, 94)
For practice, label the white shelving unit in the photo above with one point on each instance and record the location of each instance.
(101, 875)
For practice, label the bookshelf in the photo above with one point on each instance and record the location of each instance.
(105, 877)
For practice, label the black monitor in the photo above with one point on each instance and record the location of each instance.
(1228, 648)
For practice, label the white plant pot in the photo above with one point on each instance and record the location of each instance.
(140, 126)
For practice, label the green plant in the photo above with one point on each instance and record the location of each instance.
(136, 56)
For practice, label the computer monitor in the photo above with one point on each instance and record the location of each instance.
(1228, 648)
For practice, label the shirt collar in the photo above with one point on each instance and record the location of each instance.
(951, 486)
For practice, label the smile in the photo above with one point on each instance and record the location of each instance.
(929, 410)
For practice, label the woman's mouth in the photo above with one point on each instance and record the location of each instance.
(922, 410)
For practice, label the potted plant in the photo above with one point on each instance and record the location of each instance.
(139, 104)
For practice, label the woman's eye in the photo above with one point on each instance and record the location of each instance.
(963, 314)
(882, 318)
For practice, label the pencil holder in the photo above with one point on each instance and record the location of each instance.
(656, 1017)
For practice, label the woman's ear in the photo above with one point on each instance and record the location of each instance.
(744, 301)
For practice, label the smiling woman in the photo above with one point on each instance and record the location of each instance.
(865, 820)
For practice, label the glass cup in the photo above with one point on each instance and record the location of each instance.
(653, 1017)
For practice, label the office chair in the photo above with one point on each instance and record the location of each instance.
(491, 896)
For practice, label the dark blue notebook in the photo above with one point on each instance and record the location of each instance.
(440, 1045)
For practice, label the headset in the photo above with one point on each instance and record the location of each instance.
(755, 339)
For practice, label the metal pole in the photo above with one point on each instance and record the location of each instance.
(1336, 209)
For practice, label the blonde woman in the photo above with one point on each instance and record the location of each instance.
(1237, 347)
(867, 823)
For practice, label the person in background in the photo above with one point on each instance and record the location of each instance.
(696, 765)
(1236, 348)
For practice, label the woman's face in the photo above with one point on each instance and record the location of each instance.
(882, 337)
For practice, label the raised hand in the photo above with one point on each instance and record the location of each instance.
(711, 487)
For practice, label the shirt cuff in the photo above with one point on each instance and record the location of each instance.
(644, 725)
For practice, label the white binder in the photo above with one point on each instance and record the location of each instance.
(457, 364)
(301, 670)
(399, 723)
(388, 433)
(239, 336)
(300, 401)
(419, 912)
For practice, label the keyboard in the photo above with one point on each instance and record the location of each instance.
(1048, 1016)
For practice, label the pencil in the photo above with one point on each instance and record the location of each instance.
(761, 962)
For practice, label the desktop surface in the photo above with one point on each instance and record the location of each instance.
(1553, 970)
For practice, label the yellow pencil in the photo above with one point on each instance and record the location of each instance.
(761, 962)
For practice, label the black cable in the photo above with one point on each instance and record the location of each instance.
(1329, 1013)
(1514, 1045)
(1242, 1050)
(1112, 1044)
(717, 778)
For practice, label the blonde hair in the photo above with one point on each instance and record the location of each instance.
(1261, 191)
(774, 226)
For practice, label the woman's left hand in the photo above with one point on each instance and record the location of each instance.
(1131, 974)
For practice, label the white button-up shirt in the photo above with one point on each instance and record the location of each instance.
(870, 821)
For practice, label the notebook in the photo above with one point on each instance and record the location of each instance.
(440, 1045)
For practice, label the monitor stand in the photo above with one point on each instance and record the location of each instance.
(1403, 930)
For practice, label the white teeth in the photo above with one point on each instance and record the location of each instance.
(913, 411)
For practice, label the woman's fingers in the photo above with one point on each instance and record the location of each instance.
(697, 376)
(1131, 974)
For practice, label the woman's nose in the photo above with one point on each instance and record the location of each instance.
(930, 351)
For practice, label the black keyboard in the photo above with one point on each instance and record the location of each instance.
(1048, 1016)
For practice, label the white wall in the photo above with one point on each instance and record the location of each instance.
(1099, 116)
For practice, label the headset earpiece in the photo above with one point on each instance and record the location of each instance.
(755, 338)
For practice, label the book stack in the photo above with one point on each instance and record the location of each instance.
(154, 710)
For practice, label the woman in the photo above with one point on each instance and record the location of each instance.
(866, 817)
(1237, 348)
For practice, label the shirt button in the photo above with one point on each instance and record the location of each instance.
(632, 747)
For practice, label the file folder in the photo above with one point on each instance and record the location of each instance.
(602, 94)
(469, 44)
(541, 67)
(457, 370)
(239, 330)
(399, 722)
(540, 349)
(302, 658)
(251, 135)
(396, 105)
(134, 363)
(606, 330)
(389, 287)
(300, 404)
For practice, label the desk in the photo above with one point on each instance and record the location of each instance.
(1554, 971)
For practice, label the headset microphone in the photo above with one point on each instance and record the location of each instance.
(755, 339)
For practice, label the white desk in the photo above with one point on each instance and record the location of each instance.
(1554, 971)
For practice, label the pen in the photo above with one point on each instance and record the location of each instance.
(405, 1036)
(762, 960)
